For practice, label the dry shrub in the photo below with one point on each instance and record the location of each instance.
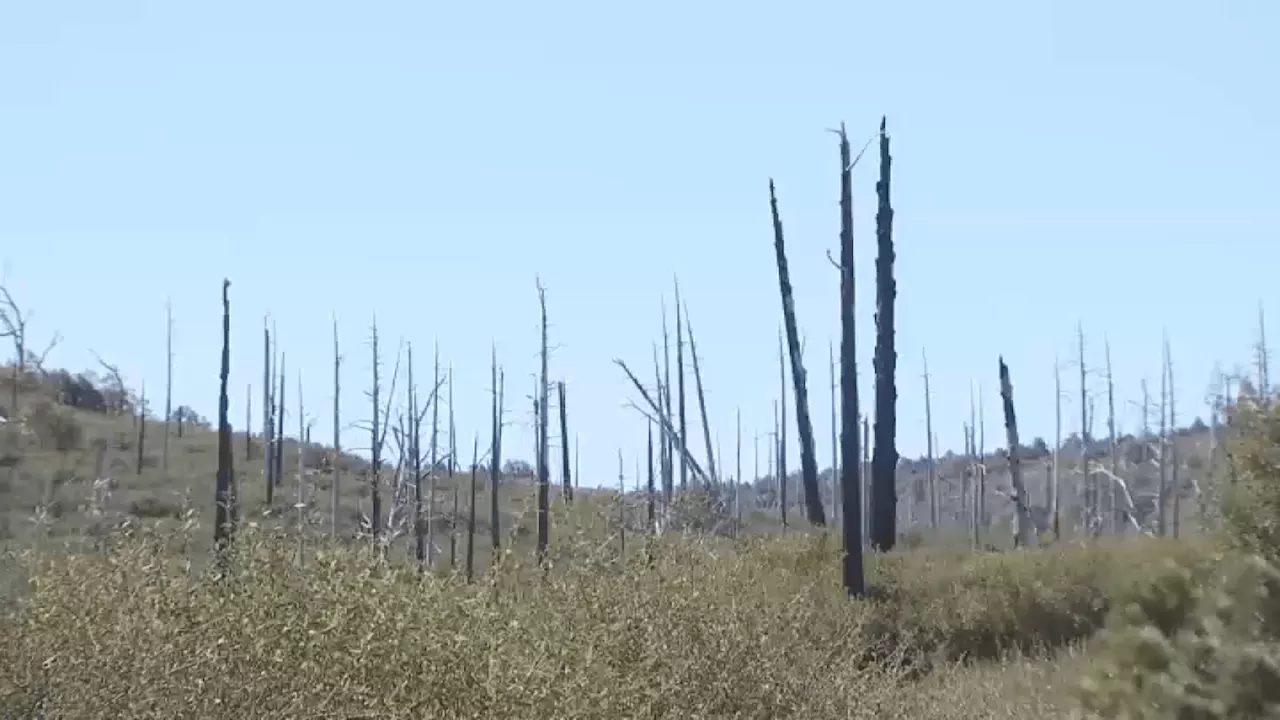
(685, 627)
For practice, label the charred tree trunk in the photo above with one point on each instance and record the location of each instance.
(248, 423)
(278, 472)
(375, 465)
(684, 433)
(224, 490)
(564, 445)
(851, 497)
(268, 416)
(1023, 536)
(702, 398)
(335, 500)
(415, 466)
(884, 461)
(168, 394)
(495, 461)
(932, 468)
(435, 459)
(471, 510)
(142, 427)
(804, 423)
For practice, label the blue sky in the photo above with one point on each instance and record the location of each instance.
(1109, 163)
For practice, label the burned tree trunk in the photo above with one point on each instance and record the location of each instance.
(375, 465)
(928, 428)
(884, 461)
(337, 435)
(278, 472)
(804, 423)
(564, 445)
(142, 427)
(168, 393)
(684, 433)
(851, 497)
(415, 463)
(1022, 531)
(471, 510)
(495, 461)
(268, 415)
(702, 398)
(224, 489)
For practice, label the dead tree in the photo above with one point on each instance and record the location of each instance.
(775, 465)
(544, 498)
(702, 398)
(268, 415)
(224, 489)
(737, 474)
(415, 460)
(495, 459)
(622, 512)
(453, 454)
(302, 498)
(471, 509)
(1022, 530)
(1162, 491)
(1090, 494)
(651, 516)
(928, 429)
(335, 486)
(435, 460)
(835, 435)
(851, 498)
(564, 445)
(248, 423)
(168, 392)
(1113, 442)
(278, 472)
(884, 461)
(375, 445)
(1175, 485)
(684, 435)
(1262, 357)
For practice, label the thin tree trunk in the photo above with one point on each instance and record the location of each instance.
(1162, 491)
(564, 443)
(1175, 486)
(651, 518)
(495, 461)
(851, 496)
(737, 476)
(420, 553)
(835, 436)
(453, 455)
(1055, 477)
(622, 511)
(684, 434)
(781, 408)
(142, 427)
(248, 423)
(375, 466)
(702, 398)
(544, 499)
(336, 498)
(1090, 501)
(268, 415)
(668, 454)
(1023, 536)
(471, 510)
(302, 477)
(1113, 442)
(224, 492)
(168, 393)
(278, 473)
(884, 463)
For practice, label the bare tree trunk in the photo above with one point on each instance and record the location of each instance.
(804, 423)
(864, 479)
(302, 477)
(248, 423)
(415, 465)
(851, 496)
(668, 454)
(884, 463)
(1090, 499)
(1022, 531)
(453, 455)
(775, 461)
(1264, 373)
(684, 434)
(495, 461)
(278, 472)
(702, 398)
(268, 415)
(544, 499)
(375, 466)
(168, 392)
(650, 511)
(737, 475)
(434, 470)
(224, 492)
(982, 461)
(142, 427)
(335, 501)
(564, 444)
(932, 466)
(622, 510)
(471, 510)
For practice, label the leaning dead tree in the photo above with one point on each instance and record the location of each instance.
(780, 430)
(884, 459)
(1023, 535)
(224, 488)
(804, 422)
(850, 493)
(702, 398)
(932, 463)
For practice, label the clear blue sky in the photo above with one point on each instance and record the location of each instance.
(1112, 163)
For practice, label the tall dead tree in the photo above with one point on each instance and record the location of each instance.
(651, 518)
(928, 429)
(564, 445)
(864, 478)
(495, 460)
(278, 472)
(268, 415)
(1162, 490)
(775, 466)
(850, 493)
(544, 495)
(702, 398)
(453, 454)
(302, 498)
(375, 444)
(684, 433)
(168, 391)
(1175, 486)
(1022, 530)
(415, 466)
(435, 460)
(471, 509)
(737, 475)
(224, 489)
(335, 486)
(1263, 357)
(668, 447)
(884, 461)
(804, 423)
